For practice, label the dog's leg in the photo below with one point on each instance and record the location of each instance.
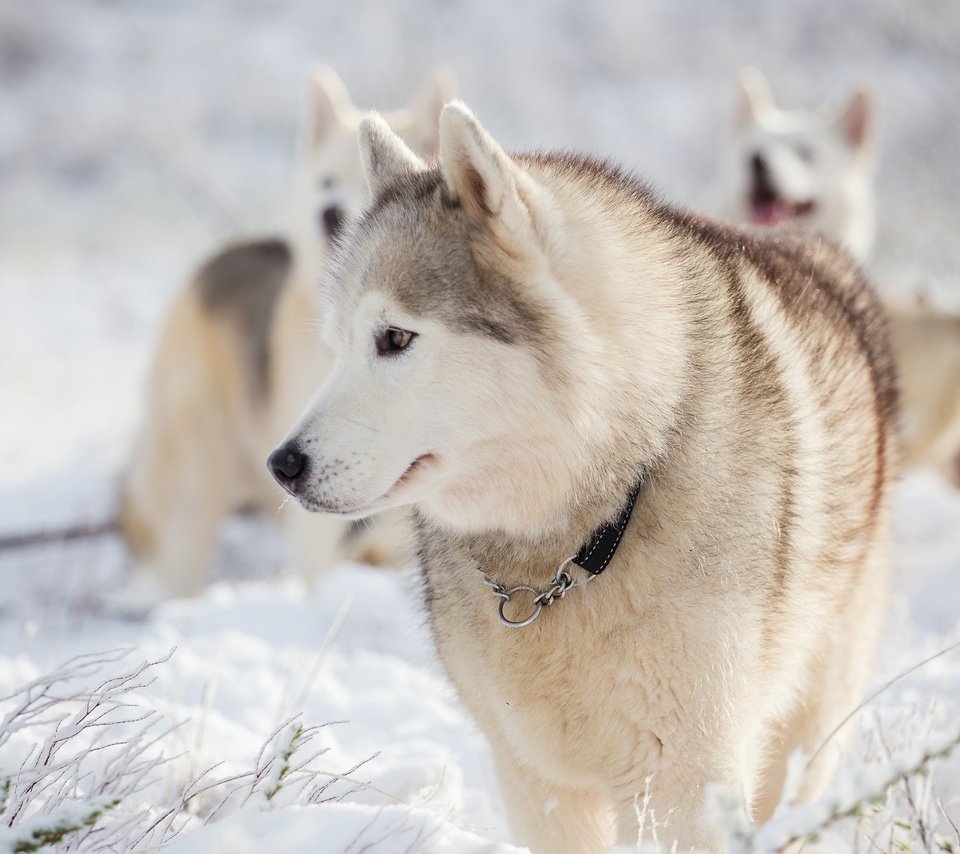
(669, 806)
(552, 820)
(188, 474)
(199, 497)
(665, 823)
(834, 692)
(837, 679)
(844, 676)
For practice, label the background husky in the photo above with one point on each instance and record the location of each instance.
(927, 346)
(238, 358)
(814, 168)
(573, 335)
(815, 171)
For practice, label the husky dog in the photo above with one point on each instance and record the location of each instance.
(546, 361)
(813, 168)
(238, 359)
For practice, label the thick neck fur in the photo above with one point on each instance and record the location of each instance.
(627, 351)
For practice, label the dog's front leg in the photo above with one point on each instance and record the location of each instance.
(550, 819)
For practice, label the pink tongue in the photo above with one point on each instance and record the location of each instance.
(769, 213)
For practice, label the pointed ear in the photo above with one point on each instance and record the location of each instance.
(855, 120)
(328, 102)
(477, 171)
(385, 156)
(438, 89)
(754, 97)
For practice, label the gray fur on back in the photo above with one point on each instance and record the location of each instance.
(241, 285)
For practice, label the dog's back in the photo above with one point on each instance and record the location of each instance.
(240, 286)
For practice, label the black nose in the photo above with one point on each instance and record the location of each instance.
(759, 167)
(332, 221)
(286, 464)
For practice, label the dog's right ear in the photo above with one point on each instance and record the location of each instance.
(328, 101)
(497, 194)
(438, 89)
(754, 97)
(477, 171)
(385, 156)
(855, 120)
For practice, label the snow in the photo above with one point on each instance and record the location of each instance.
(249, 655)
(343, 827)
(135, 137)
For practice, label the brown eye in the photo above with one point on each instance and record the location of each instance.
(392, 339)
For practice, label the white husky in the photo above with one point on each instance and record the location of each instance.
(570, 380)
(811, 167)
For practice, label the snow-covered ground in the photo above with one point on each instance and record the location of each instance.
(134, 137)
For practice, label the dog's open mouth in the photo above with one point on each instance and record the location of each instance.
(767, 208)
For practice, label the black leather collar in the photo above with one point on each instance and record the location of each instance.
(599, 550)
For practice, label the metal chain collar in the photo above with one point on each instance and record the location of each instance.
(562, 582)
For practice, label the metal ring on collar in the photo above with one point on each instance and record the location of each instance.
(518, 624)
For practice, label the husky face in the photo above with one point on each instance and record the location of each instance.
(443, 393)
(416, 410)
(811, 168)
(330, 186)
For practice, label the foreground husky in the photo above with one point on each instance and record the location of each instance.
(811, 168)
(548, 362)
(238, 358)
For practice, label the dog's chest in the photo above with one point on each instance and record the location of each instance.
(581, 691)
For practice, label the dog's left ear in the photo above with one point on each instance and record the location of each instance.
(438, 89)
(856, 120)
(480, 175)
(385, 157)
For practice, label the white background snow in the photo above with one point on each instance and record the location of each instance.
(136, 136)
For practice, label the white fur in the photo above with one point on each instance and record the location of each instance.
(824, 157)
